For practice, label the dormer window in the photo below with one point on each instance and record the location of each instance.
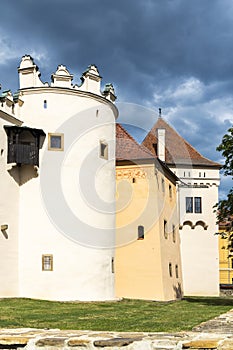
(24, 144)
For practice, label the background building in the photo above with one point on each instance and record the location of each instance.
(198, 193)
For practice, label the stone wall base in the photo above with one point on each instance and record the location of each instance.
(51, 339)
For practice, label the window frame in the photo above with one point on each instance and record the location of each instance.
(50, 135)
(44, 263)
(189, 206)
(197, 205)
(141, 232)
(103, 153)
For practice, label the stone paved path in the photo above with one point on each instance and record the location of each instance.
(221, 324)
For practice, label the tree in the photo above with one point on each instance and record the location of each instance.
(224, 208)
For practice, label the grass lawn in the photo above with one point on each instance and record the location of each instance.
(125, 315)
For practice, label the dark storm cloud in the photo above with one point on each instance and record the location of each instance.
(174, 54)
(149, 42)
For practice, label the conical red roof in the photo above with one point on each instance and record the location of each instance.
(177, 149)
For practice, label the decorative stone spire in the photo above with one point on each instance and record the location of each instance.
(29, 75)
(62, 77)
(91, 80)
(109, 92)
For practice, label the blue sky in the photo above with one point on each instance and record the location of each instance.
(171, 54)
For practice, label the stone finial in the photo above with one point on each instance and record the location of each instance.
(91, 80)
(109, 92)
(62, 77)
(29, 75)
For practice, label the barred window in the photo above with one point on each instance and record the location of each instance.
(47, 262)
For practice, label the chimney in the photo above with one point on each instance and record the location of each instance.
(161, 144)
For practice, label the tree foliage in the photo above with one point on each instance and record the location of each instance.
(224, 208)
(226, 147)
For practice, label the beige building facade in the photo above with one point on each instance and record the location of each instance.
(147, 260)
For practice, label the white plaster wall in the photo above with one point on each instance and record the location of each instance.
(81, 272)
(9, 200)
(199, 247)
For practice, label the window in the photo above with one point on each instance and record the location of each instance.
(170, 269)
(165, 228)
(133, 180)
(232, 263)
(45, 104)
(177, 271)
(174, 233)
(140, 232)
(163, 185)
(189, 204)
(47, 262)
(197, 205)
(113, 265)
(103, 150)
(56, 142)
(184, 173)
(170, 191)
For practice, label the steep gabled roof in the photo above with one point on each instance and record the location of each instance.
(178, 150)
(127, 147)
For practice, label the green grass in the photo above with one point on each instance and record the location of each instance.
(126, 315)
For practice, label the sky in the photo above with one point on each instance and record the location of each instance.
(171, 54)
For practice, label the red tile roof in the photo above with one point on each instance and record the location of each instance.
(127, 147)
(178, 150)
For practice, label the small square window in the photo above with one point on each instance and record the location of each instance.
(103, 150)
(56, 142)
(47, 262)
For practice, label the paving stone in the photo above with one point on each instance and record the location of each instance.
(114, 342)
(226, 345)
(201, 344)
(76, 342)
(50, 342)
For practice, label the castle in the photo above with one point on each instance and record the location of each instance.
(68, 233)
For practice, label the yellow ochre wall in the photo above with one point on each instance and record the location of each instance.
(142, 265)
(225, 261)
